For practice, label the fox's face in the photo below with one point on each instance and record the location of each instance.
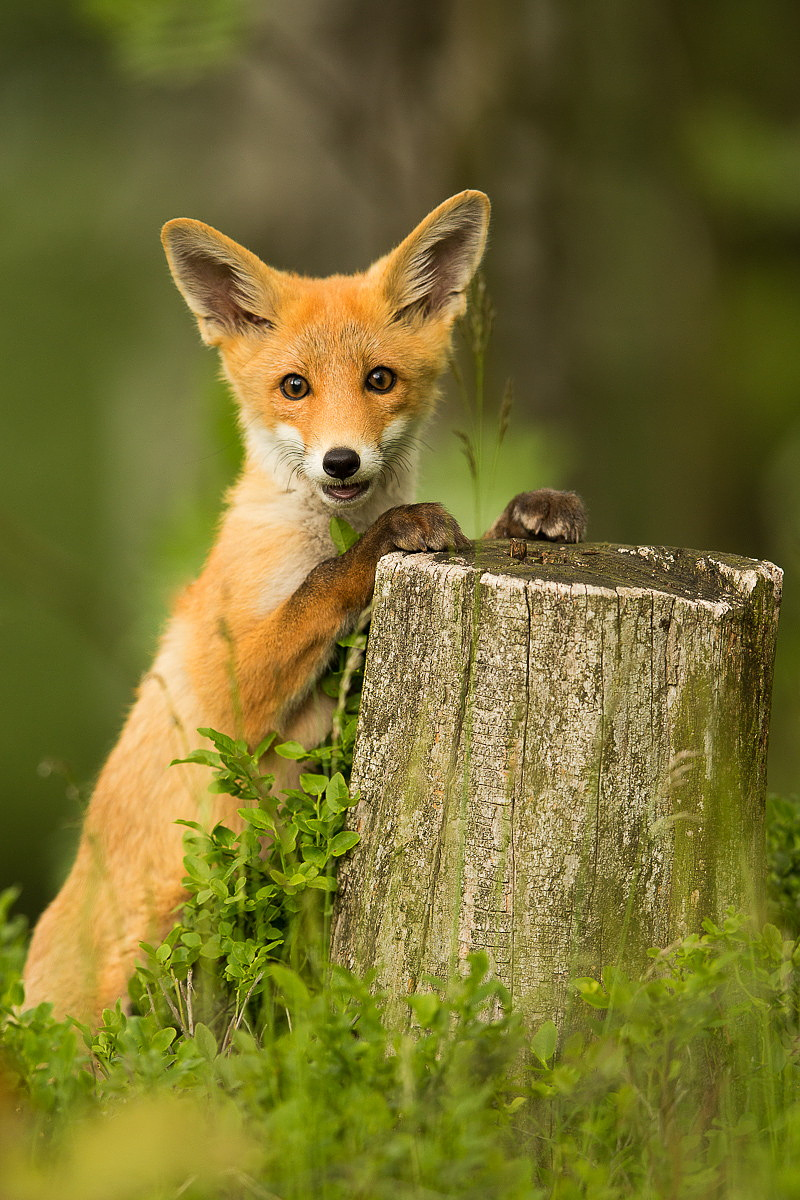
(334, 377)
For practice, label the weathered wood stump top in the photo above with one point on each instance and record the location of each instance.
(693, 575)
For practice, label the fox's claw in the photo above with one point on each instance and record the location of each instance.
(545, 514)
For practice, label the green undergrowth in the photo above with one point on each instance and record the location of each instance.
(249, 1066)
(680, 1084)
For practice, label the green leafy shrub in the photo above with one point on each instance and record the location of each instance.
(680, 1084)
(682, 1079)
(249, 903)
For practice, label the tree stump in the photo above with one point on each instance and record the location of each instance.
(561, 759)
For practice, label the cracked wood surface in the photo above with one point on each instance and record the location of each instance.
(562, 760)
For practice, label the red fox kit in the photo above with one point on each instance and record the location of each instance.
(333, 378)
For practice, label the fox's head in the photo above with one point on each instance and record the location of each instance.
(333, 376)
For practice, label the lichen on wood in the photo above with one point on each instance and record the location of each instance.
(561, 760)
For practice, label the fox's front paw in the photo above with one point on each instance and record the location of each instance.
(413, 527)
(552, 516)
(417, 527)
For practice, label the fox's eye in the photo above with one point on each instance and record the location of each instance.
(381, 380)
(294, 387)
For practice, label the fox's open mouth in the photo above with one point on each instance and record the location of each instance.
(344, 492)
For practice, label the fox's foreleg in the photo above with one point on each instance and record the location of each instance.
(273, 661)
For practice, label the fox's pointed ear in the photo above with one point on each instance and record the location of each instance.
(227, 288)
(428, 274)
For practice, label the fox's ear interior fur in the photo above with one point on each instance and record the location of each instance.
(226, 287)
(429, 272)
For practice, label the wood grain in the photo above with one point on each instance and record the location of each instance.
(562, 760)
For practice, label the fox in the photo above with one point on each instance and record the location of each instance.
(334, 379)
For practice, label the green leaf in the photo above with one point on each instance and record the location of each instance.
(291, 750)
(323, 883)
(289, 982)
(773, 940)
(223, 835)
(317, 825)
(337, 796)
(205, 1041)
(15, 997)
(204, 758)
(425, 1006)
(337, 788)
(211, 948)
(344, 841)
(162, 1040)
(343, 535)
(262, 747)
(315, 855)
(221, 740)
(304, 825)
(227, 785)
(544, 1042)
(591, 992)
(197, 867)
(314, 785)
(257, 817)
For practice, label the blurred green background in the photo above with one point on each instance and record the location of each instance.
(643, 158)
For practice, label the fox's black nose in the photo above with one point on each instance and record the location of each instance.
(341, 462)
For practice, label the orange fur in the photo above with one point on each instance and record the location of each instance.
(248, 639)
